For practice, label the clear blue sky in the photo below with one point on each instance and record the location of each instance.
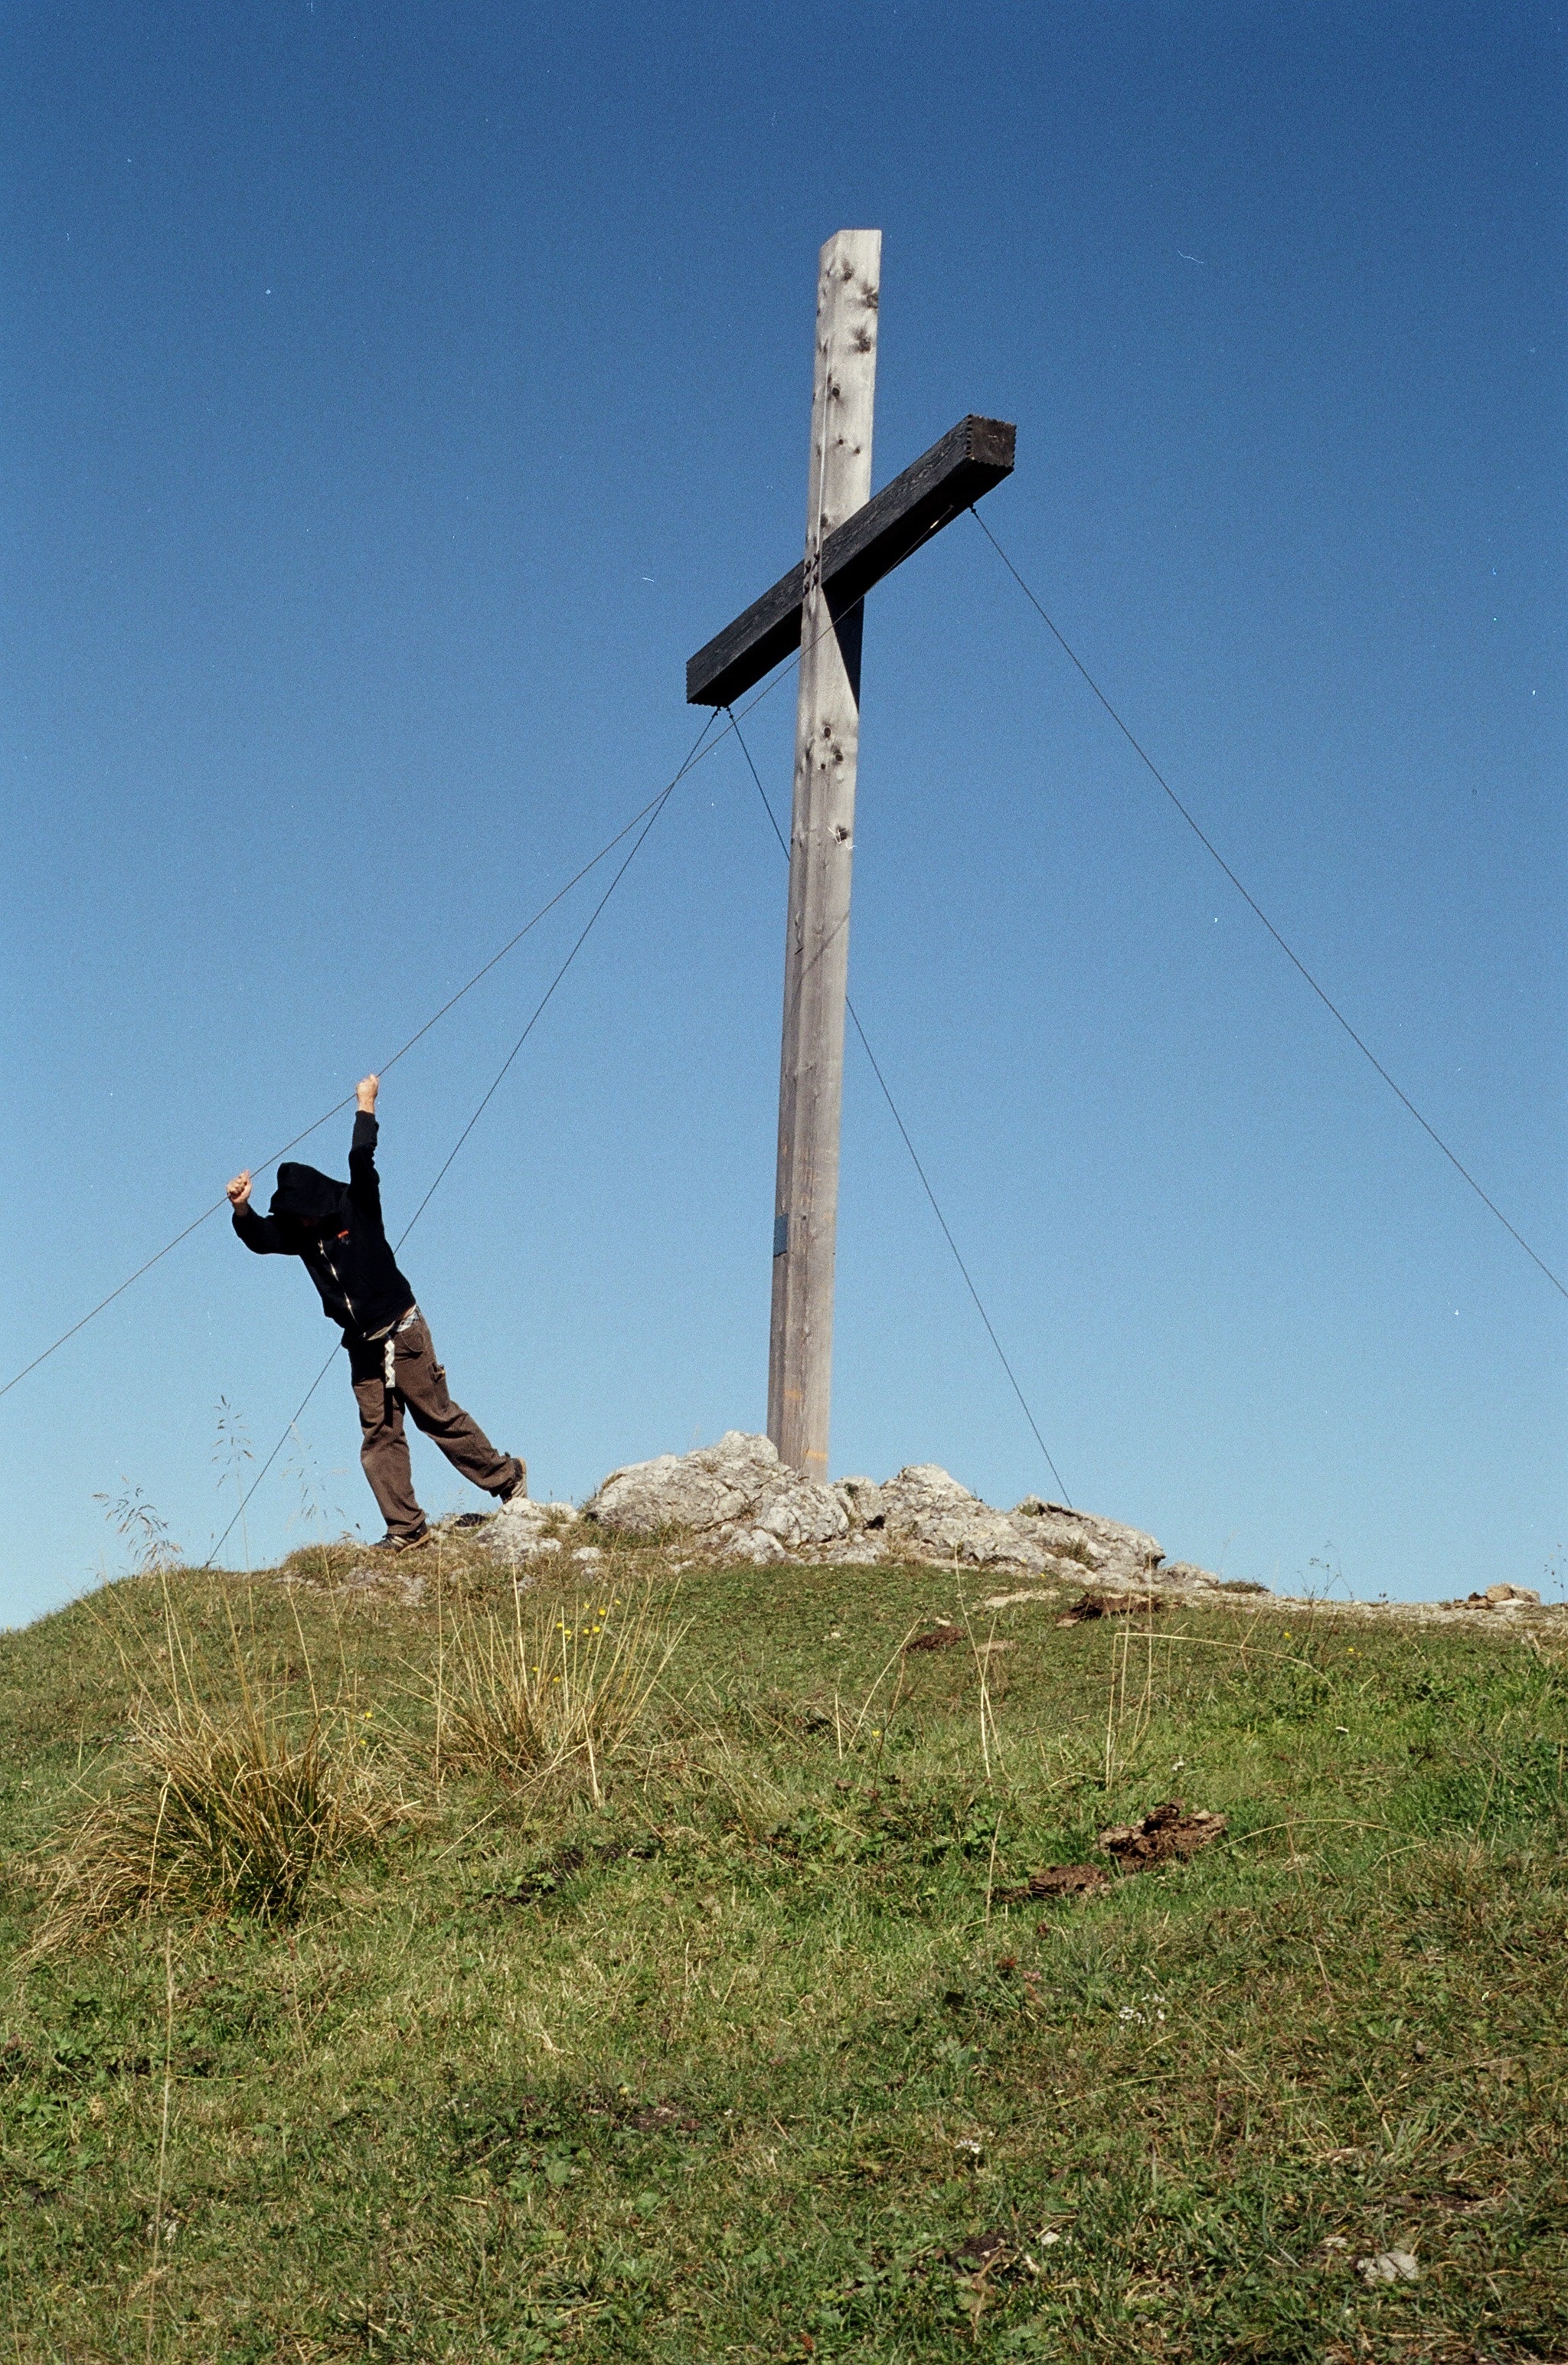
(397, 395)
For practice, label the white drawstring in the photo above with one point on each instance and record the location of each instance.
(389, 1348)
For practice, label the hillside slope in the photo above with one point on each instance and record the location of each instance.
(765, 2051)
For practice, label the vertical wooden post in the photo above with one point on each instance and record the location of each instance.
(821, 847)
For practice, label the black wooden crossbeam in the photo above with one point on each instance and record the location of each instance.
(945, 481)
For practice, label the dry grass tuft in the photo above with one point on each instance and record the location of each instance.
(231, 1807)
(561, 1683)
(219, 1810)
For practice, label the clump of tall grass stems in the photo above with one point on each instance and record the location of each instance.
(558, 1685)
(231, 1806)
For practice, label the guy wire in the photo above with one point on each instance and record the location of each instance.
(417, 1035)
(904, 1130)
(699, 755)
(1256, 908)
(659, 805)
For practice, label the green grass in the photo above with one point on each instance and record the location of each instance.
(734, 2064)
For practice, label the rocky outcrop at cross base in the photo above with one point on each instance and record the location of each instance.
(737, 1499)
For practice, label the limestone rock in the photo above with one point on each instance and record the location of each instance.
(1183, 1572)
(733, 1493)
(862, 1498)
(926, 1507)
(717, 1486)
(757, 1544)
(522, 1529)
(798, 1511)
(861, 1549)
(1389, 2267)
(1119, 1555)
(1496, 1596)
(737, 1497)
(923, 1494)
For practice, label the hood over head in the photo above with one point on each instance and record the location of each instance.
(307, 1199)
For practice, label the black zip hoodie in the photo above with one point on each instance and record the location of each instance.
(335, 1229)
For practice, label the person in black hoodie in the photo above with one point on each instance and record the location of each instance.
(335, 1229)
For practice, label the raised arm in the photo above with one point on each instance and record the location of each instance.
(258, 1232)
(364, 1184)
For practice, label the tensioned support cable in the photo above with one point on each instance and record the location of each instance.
(337, 1106)
(1294, 957)
(914, 1155)
(277, 1449)
(535, 1016)
(541, 1006)
(699, 755)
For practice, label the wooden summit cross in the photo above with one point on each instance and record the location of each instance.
(852, 541)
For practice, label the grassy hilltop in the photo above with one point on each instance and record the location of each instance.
(736, 2041)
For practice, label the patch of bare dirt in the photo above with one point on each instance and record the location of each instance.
(940, 1637)
(1110, 1605)
(1167, 1834)
(1059, 1880)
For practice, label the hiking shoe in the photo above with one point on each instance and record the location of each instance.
(389, 1543)
(518, 1484)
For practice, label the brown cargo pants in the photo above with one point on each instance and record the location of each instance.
(420, 1383)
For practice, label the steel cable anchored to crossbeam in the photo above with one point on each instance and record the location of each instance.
(698, 755)
(701, 749)
(1332, 1007)
(853, 539)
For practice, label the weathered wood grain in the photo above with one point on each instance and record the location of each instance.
(821, 847)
